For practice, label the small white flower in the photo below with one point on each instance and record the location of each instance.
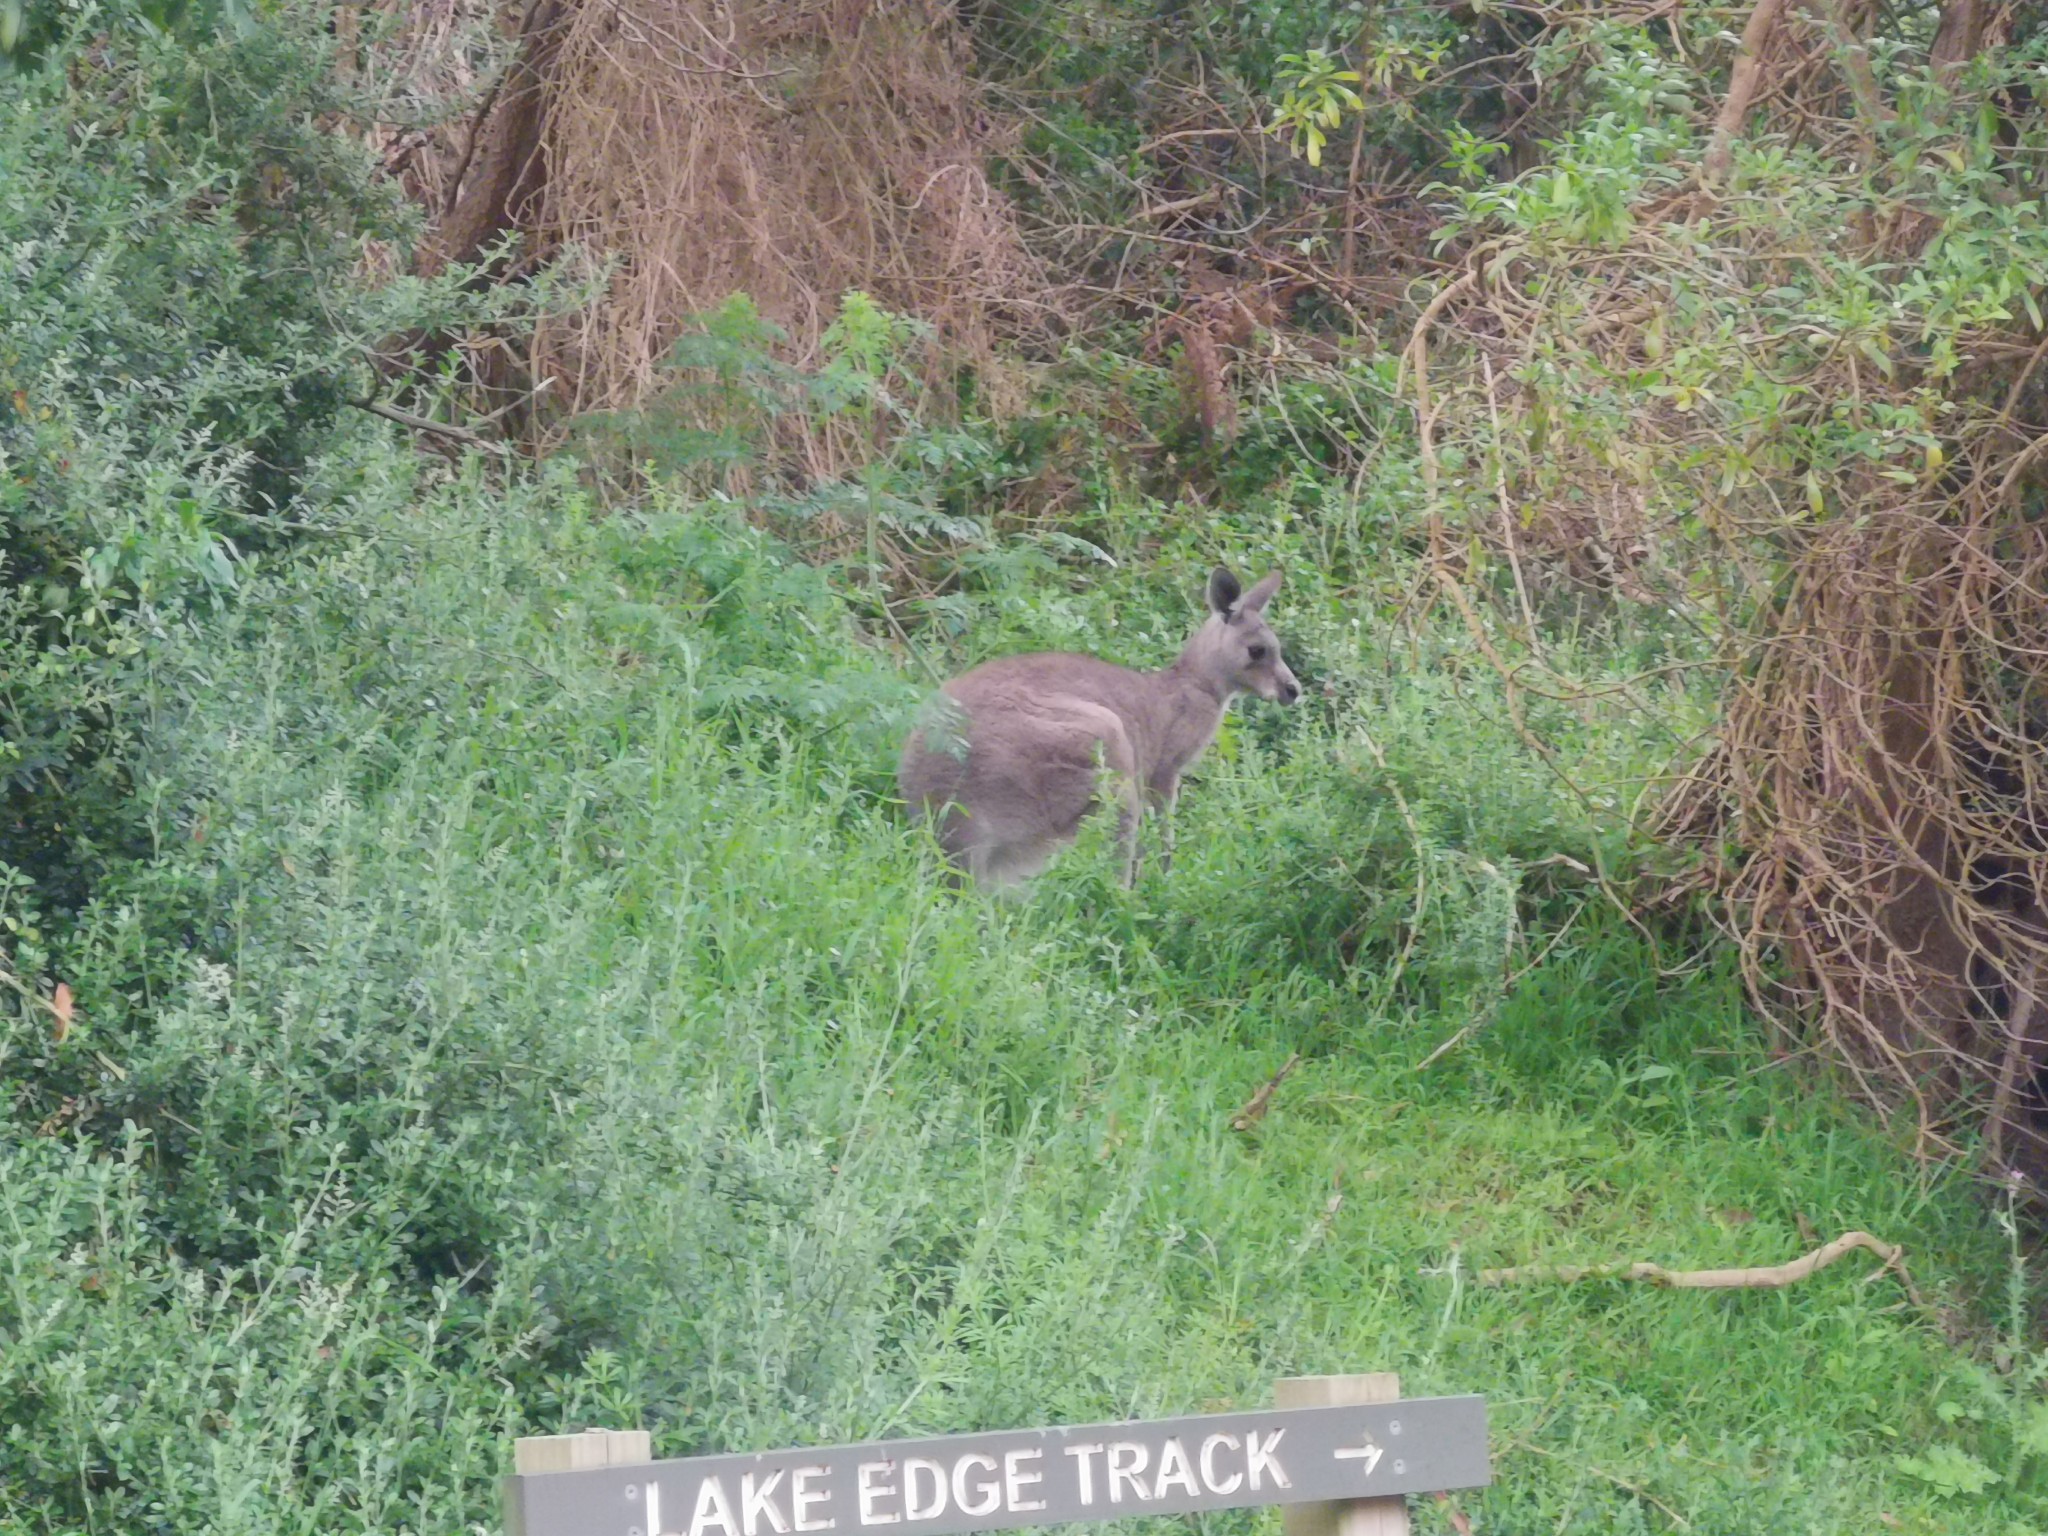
(215, 983)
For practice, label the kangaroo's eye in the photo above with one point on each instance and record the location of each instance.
(1258, 653)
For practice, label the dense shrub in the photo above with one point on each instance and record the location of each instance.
(179, 227)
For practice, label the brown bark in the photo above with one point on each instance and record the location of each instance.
(2022, 1052)
(1741, 90)
(1854, 58)
(499, 190)
(1957, 38)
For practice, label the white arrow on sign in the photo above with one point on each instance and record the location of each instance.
(1368, 1453)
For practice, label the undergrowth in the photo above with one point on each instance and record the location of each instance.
(464, 973)
(535, 1013)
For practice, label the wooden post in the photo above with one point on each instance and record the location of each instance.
(1352, 1517)
(573, 1453)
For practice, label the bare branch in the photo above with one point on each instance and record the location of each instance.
(428, 425)
(1772, 1277)
(1742, 81)
(1256, 1106)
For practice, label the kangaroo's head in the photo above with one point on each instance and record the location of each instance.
(1234, 649)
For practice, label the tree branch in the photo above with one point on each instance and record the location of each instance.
(1255, 1108)
(1741, 90)
(1769, 1278)
(427, 424)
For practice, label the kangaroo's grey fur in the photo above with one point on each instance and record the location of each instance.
(1010, 765)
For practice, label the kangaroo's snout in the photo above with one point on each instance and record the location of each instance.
(1276, 685)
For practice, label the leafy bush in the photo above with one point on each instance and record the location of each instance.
(1761, 398)
(180, 227)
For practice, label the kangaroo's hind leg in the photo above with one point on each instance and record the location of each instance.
(1165, 796)
(1034, 780)
(1116, 761)
(1005, 867)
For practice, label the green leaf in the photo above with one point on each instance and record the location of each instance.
(2031, 1434)
(1949, 1470)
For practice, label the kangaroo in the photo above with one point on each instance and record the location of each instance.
(1009, 764)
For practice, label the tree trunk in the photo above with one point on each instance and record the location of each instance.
(1957, 39)
(1741, 90)
(502, 178)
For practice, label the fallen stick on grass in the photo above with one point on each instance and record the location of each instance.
(1255, 1108)
(1765, 1278)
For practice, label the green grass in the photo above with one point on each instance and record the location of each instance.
(538, 1015)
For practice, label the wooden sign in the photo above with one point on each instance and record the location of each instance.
(1020, 1477)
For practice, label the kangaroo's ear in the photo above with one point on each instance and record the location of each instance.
(1223, 590)
(1261, 593)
